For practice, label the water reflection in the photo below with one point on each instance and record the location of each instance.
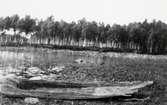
(16, 59)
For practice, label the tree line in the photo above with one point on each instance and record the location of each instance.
(143, 37)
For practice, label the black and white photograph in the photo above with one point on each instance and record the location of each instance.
(83, 52)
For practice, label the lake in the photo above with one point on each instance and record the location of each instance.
(13, 59)
(92, 66)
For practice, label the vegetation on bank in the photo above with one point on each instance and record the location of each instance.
(143, 37)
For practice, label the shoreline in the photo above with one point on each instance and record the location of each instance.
(128, 55)
(79, 48)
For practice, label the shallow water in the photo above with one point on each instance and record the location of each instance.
(13, 59)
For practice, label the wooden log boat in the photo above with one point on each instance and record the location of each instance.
(17, 87)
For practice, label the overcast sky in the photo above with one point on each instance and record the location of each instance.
(107, 11)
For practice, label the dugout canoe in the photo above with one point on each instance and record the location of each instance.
(17, 87)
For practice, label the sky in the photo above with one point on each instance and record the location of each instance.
(107, 11)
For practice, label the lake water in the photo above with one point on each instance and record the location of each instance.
(13, 59)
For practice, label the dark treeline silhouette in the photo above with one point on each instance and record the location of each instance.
(142, 37)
